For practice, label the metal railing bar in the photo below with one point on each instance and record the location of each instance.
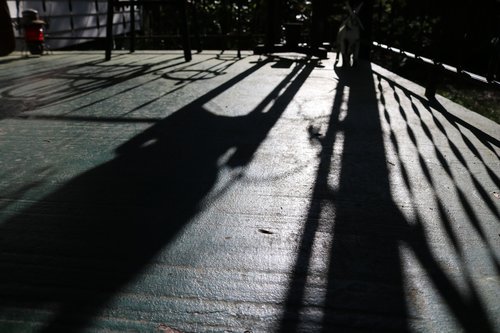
(449, 68)
(66, 1)
(58, 16)
(140, 2)
(67, 38)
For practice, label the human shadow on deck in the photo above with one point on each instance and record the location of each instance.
(352, 204)
(74, 250)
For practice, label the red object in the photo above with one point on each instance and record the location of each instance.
(34, 33)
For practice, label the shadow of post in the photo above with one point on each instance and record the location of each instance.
(363, 260)
(365, 283)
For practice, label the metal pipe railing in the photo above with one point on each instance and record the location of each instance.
(436, 67)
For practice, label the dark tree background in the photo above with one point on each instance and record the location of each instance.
(458, 33)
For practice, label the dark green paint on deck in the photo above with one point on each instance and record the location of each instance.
(239, 195)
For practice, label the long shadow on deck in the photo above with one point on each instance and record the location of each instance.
(75, 249)
(353, 205)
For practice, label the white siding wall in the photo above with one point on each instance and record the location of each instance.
(73, 18)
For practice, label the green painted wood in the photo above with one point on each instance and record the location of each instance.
(240, 195)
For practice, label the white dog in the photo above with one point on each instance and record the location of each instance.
(348, 37)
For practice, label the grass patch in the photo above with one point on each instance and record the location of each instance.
(480, 99)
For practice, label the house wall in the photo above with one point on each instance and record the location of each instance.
(78, 20)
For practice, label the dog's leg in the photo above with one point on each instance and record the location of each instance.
(340, 45)
(346, 53)
(355, 53)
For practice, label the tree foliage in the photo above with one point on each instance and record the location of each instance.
(456, 32)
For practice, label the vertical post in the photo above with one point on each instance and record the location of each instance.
(366, 17)
(71, 19)
(18, 15)
(317, 24)
(224, 21)
(273, 24)
(436, 10)
(196, 26)
(432, 81)
(238, 41)
(109, 30)
(132, 26)
(185, 30)
(97, 19)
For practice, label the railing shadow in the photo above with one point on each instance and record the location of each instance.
(484, 141)
(468, 310)
(354, 211)
(73, 250)
(69, 82)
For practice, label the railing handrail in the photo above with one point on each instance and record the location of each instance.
(432, 62)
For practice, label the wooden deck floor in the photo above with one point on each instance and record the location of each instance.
(262, 194)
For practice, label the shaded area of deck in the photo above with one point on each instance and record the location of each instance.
(262, 194)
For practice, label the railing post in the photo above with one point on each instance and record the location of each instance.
(196, 26)
(185, 30)
(273, 27)
(132, 27)
(366, 16)
(318, 18)
(432, 81)
(109, 30)
(238, 41)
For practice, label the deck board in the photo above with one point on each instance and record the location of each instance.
(262, 194)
